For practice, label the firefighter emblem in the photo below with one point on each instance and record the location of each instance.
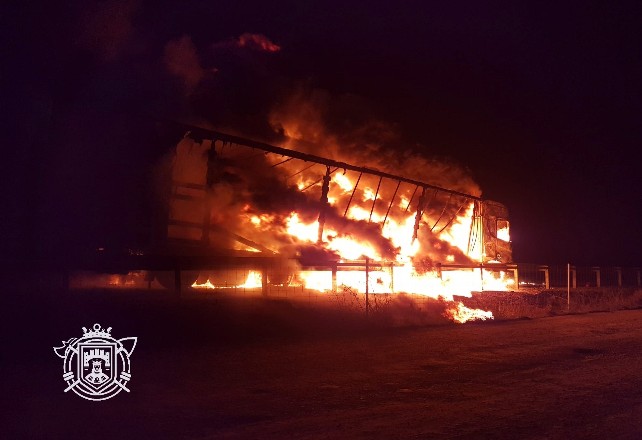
(96, 366)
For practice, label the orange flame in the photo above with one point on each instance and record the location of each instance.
(253, 281)
(462, 314)
(258, 41)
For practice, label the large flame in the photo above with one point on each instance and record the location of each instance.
(405, 232)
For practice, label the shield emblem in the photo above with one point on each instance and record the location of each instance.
(97, 364)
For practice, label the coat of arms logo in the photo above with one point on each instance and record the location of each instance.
(96, 366)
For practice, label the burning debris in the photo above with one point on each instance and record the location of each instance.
(462, 314)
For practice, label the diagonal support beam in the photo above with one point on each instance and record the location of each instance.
(354, 190)
(375, 199)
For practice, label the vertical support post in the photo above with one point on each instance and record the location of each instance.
(482, 242)
(324, 203)
(598, 280)
(392, 277)
(547, 279)
(573, 277)
(618, 272)
(481, 276)
(419, 214)
(568, 286)
(516, 278)
(367, 286)
(334, 278)
(439, 271)
(264, 280)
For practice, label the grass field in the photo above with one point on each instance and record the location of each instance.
(252, 367)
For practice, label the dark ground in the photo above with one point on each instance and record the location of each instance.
(258, 368)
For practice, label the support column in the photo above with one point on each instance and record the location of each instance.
(618, 272)
(325, 187)
(573, 277)
(598, 280)
(264, 281)
(367, 286)
(334, 278)
(568, 287)
(419, 214)
(547, 279)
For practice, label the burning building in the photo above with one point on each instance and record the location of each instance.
(378, 226)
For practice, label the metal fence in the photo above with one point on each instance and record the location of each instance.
(571, 276)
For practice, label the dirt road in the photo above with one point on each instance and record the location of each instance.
(563, 377)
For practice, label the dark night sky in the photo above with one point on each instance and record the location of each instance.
(543, 104)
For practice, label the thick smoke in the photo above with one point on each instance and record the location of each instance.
(344, 128)
(181, 60)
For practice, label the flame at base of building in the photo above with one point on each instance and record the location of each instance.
(381, 282)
